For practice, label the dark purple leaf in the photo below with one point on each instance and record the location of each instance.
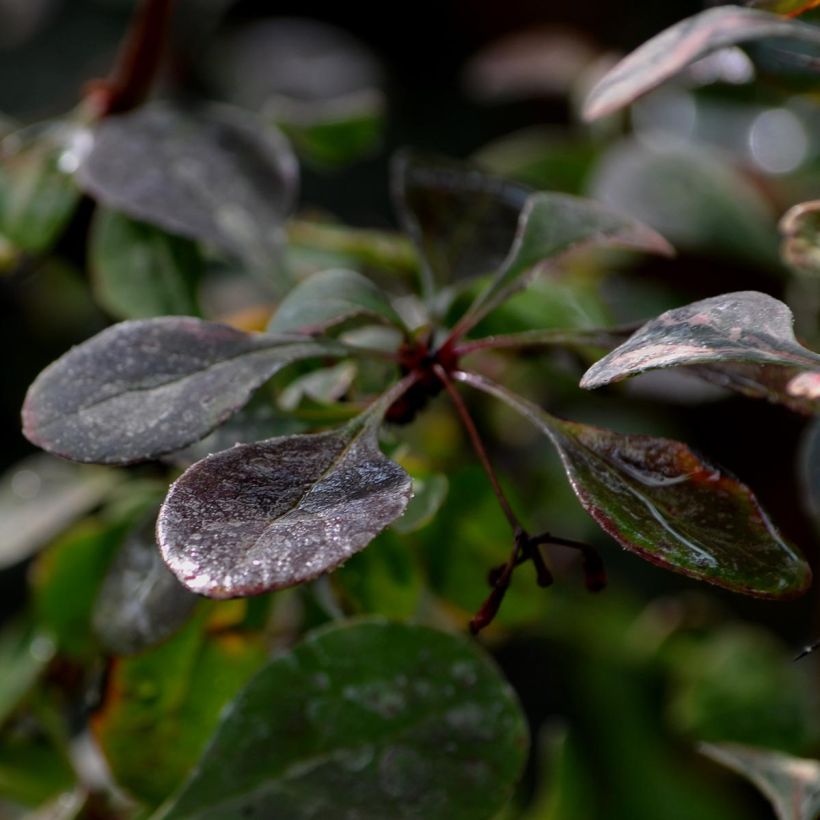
(666, 504)
(280, 512)
(147, 387)
(746, 327)
(792, 784)
(219, 175)
(682, 44)
(141, 602)
(462, 220)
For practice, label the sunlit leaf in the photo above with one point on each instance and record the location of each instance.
(161, 706)
(140, 602)
(800, 227)
(550, 226)
(39, 496)
(37, 193)
(364, 719)
(792, 784)
(140, 271)
(328, 298)
(693, 196)
(283, 511)
(682, 44)
(670, 507)
(462, 220)
(218, 175)
(746, 327)
(147, 387)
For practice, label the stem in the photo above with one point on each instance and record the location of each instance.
(138, 61)
(478, 445)
(540, 338)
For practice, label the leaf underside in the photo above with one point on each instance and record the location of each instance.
(745, 327)
(147, 387)
(280, 512)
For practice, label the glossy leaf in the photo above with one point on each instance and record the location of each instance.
(792, 784)
(664, 503)
(550, 226)
(364, 719)
(800, 227)
(746, 327)
(280, 512)
(37, 193)
(161, 705)
(140, 602)
(39, 496)
(147, 387)
(328, 298)
(462, 220)
(682, 44)
(218, 175)
(140, 271)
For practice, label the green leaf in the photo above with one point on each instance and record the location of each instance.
(792, 784)
(162, 705)
(147, 387)
(661, 501)
(364, 719)
(328, 298)
(140, 271)
(791, 8)
(218, 175)
(746, 327)
(682, 44)
(40, 496)
(281, 512)
(140, 602)
(694, 196)
(429, 493)
(37, 196)
(25, 651)
(550, 226)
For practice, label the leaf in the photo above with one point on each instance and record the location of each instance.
(325, 386)
(161, 705)
(550, 226)
(682, 44)
(218, 175)
(140, 271)
(37, 194)
(790, 8)
(800, 227)
(746, 326)
(364, 719)
(661, 501)
(140, 603)
(810, 470)
(694, 196)
(280, 512)
(328, 298)
(429, 493)
(792, 784)
(25, 652)
(462, 220)
(39, 496)
(147, 387)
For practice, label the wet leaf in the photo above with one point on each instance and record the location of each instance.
(161, 706)
(147, 387)
(664, 503)
(39, 496)
(746, 326)
(462, 220)
(792, 784)
(328, 298)
(37, 193)
(550, 226)
(280, 512)
(218, 175)
(682, 44)
(140, 602)
(140, 271)
(800, 227)
(364, 719)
